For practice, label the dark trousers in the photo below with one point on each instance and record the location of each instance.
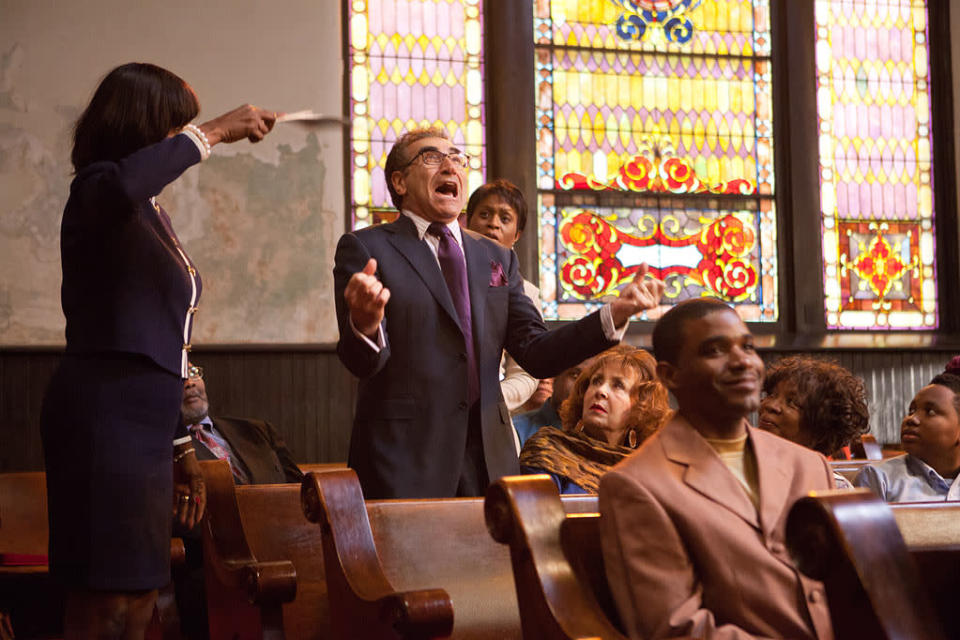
(473, 472)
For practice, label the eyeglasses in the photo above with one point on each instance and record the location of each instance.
(195, 371)
(433, 157)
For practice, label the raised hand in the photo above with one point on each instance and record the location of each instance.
(246, 121)
(366, 298)
(643, 293)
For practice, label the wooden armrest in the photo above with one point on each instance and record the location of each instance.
(850, 541)
(357, 586)
(233, 562)
(525, 512)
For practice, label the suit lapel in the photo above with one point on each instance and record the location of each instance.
(403, 236)
(705, 471)
(478, 278)
(228, 429)
(202, 451)
(772, 479)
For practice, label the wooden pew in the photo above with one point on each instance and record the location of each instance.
(849, 468)
(890, 571)
(307, 467)
(35, 600)
(558, 569)
(412, 568)
(866, 448)
(261, 561)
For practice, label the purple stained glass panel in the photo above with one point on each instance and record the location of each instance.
(876, 167)
(410, 61)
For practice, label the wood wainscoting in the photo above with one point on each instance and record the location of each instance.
(307, 394)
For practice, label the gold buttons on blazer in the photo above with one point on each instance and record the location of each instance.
(187, 347)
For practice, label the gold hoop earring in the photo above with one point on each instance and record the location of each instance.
(632, 439)
(580, 426)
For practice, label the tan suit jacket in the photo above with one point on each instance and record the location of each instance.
(687, 553)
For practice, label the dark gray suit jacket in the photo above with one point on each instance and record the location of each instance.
(260, 449)
(410, 428)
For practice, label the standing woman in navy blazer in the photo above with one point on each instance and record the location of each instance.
(110, 414)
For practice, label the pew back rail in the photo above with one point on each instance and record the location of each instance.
(557, 562)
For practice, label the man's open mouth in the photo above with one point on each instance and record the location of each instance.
(449, 188)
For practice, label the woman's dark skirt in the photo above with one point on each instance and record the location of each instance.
(108, 423)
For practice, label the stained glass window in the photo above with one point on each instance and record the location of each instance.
(876, 174)
(655, 144)
(412, 63)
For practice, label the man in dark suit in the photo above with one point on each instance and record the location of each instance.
(257, 455)
(424, 310)
(256, 452)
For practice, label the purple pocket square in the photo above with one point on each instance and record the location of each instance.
(497, 277)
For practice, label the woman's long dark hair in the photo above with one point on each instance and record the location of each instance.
(136, 105)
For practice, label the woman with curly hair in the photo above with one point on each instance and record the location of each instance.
(616, 403)
(814, 403)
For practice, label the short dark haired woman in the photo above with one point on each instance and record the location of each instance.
(815, 403)
(110, 415)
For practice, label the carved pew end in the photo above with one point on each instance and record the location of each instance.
(557, 567)
(229, 556)
(850, 541)
(363, 603)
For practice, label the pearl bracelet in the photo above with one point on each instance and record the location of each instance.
(201, 137)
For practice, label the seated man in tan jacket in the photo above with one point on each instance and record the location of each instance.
(693, 522)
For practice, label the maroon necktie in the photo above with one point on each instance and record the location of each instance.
(454, 269)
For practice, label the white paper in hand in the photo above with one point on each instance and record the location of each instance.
(312, 118)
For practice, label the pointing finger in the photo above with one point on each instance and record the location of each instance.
(642, 272)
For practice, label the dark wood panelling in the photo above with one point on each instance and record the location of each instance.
(23, 379)
(309, 396)
(306, 394)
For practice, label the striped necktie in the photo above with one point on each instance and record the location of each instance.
(207, 440)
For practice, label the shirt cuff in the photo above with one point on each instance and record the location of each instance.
(611, 332)
(203, 146)
(183, 440)
(376, 346)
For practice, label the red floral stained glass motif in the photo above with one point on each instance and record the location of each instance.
(662, 174)
(879, 266)
(724, 246)
(882, 266)
(655, 144)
